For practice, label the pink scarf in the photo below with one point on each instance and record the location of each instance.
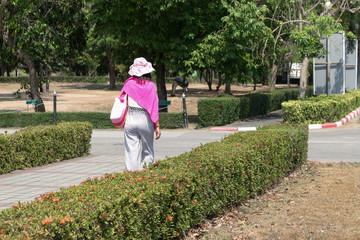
(144, 93)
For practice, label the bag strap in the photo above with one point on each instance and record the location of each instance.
(122, 97)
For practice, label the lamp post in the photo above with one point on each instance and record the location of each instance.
(186, 121)
(328, 69)
(54, 119)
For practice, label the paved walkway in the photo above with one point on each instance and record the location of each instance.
(107, 156)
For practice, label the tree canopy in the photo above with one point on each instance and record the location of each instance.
(236, 38)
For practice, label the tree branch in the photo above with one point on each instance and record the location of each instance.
(312, 8)
(4, 4)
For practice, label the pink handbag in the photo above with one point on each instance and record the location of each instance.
(119, 111)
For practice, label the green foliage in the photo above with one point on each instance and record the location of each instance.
(40, 145)
(307, 40)
(236, 48)
(321, 109)
(167, 199)
(97, 119)
(171, 120)
(50, 32)
(225, 110)
(218, 111)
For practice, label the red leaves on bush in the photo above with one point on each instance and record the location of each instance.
(163, 178)
(2, 234)
(169, 218)
(47, 220)
(65, 220)
(47, 196)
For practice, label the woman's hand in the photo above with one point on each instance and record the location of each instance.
(157, 133)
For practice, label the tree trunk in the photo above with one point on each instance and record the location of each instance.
(305, 62)
(34, 85)
(111, 69)
(160, 83)
(2, 70)
(228, 87)
(219, 83)
(303, 77)
(288, 70)
(358, 66)
(273, 75)
(208, 79)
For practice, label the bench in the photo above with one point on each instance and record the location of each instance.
(163, 104)
(33, 102)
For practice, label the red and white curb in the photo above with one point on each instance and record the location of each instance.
(234, 129)
(344, 120)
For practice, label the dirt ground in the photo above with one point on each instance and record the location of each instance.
(318, 201)
(96, 97)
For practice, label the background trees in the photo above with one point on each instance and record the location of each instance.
(238, 39)
(42, 35)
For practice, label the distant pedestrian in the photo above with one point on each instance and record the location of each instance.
(181, 81)
(142, 119)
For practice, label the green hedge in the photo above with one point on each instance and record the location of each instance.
(224, 110)
(36, 146)
(97, 119)
(167, 199)
(321, 109)
(218, 111)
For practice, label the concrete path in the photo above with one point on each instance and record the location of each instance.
(107, 156)
(340, 144)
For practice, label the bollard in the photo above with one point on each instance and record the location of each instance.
(54, 119)
(186, 122)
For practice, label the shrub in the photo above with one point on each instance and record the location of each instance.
(171, 120)
(167, 199)
(225, 110)
(218, 111)
(40, 145)
(321, 109)
(97, 119)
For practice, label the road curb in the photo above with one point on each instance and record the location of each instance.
(343, 121)
(234, 129)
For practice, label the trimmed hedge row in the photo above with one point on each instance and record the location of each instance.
(97, 119)
(321, 109)
(224, 110)
(36, 146)
(167, 199)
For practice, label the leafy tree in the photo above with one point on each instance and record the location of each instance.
(163, 31)
(298, 26)
(236, 49)
(41, 32)
(103, 39)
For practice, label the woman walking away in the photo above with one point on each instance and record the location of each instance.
(142, 119)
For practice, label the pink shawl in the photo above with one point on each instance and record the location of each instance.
(144, 93)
